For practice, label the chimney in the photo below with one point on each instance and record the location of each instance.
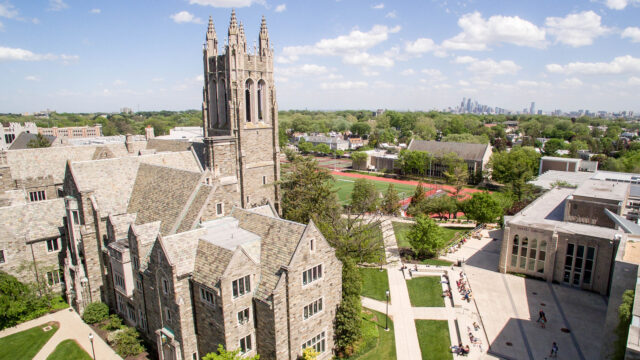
(129, 143)
(149, 132)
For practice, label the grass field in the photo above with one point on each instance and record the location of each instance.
(375, 283)
(425, 291)
(402, 230)
(69, 349)
(378, 344)
(344, 187)
(433, 336)
(25, 344)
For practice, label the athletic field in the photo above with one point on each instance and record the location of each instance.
(344, 186)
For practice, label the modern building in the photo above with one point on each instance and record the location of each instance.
(476, 156)
(334, 142)
(566, 164)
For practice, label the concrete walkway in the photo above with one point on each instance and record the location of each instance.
(71, 327)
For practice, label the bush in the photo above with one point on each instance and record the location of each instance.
(95, 312)
(126, 342)
(624, 320)
(114, 323)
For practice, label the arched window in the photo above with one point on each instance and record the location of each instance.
(523, 252)
(213, 103)
(514, 251)
(262, 88)
(248, 89)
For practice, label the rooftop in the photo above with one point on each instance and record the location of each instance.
(466, 151)
(606, 190)
(550, 177)
(555, 158)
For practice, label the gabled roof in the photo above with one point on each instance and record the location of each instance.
(211, 262)
(181, 249)
(468, 152)
(33, 221)
(162, 145)
(22, 141)
(279, 239)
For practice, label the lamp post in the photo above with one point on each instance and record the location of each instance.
(386, 320)
(92, 349)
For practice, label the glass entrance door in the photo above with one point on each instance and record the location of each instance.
(577, 270)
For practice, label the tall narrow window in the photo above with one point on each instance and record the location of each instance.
(2, 260)
(213, 103)
(514, 252)
(222, 104)
(260, 100)
(248, 89)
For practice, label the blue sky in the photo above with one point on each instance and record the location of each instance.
(86, 56)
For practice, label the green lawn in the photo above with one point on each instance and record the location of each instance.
(378, 344)
(344, 187)
(69, 349)
(437, 262)
(433, 336)
(402, 230)
(375, 283)
(25, 344)
(425, 291)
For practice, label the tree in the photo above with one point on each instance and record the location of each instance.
(359, 159)
(305, 147)
(457, 172)
(442, 205)
(361, 128)
(322, 149)
(625, 311)
(364, 197)
(347, 323)
(482, 208)
(95, 312)
(391, 201)
(307, 192)
(309, 354)
(515, 168)
(552, 146)
(425, 237)
(418, 195)
(39, 142)
(223, 354)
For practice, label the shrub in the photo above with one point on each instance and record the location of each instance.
(95, 312)
(114, 323)
(126, 342)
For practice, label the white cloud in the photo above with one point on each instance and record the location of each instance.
(8, 11)
(185, 17)
(32, 78)
(378, 6)
(463, 83)
(17, 54)
(619, 65)
(281, 8)
(478, 33)
(433, 74)
(119, 82)
(489, 67)
(57, 5)
(227, 3)
(577, 29)
(620, 4)
(343, 85)
(407, 72)
(303, 70)
(632, 33)
(571, 83)
(420, 46)
(464, 59)
(531, 84)
(95, 11)
(368, 72)
(350, 47)
(391, 14)
(633, 81)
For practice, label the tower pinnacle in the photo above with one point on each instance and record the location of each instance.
(264, 37)
(233, 24)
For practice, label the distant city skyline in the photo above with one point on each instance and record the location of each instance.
(89, 56)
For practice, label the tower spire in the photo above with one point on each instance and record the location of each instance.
(233, 24)
(264, 37)
(212, 39)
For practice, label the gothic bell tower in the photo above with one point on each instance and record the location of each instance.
(240, 113)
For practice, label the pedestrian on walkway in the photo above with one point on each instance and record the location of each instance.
(542, 318)
(554, 351)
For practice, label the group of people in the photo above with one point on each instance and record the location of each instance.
(463, 287)
(444, 279)
(460, 349)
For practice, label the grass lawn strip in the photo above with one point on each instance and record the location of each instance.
(380, 347)
(69, 349)
(375, 283)
(433, 336)
(344, 186)
(25, 344)
(425, 291)
(437, 262)
(402, 230)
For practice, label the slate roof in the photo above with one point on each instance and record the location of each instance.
(468, 152)
(33, 221)
(161, 145)
(112, 180)
(22, 141)
(51, 161)
(210, 263)
(121, 222)
(146, 235)
(279, 239)
(191, 217)
(266, 210)
(163, 193)
(181, 250)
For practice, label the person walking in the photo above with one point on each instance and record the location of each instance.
(542, 318)
(554, 351)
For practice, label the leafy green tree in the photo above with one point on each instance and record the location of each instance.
(483, 208)
(364, 197)
(457, 173)
(322, 149)
(426, 237)
(95, 312)
(348, 321)
(39, 142)
(552, 146)
(624, 320)
(126, 342)
(361, 128)
(391, 201)
(305, 147)
(418, 195)
(441, 205)
(414, 162)
(359, 159)
(307, 192)
(223, 354)
(515, 168)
